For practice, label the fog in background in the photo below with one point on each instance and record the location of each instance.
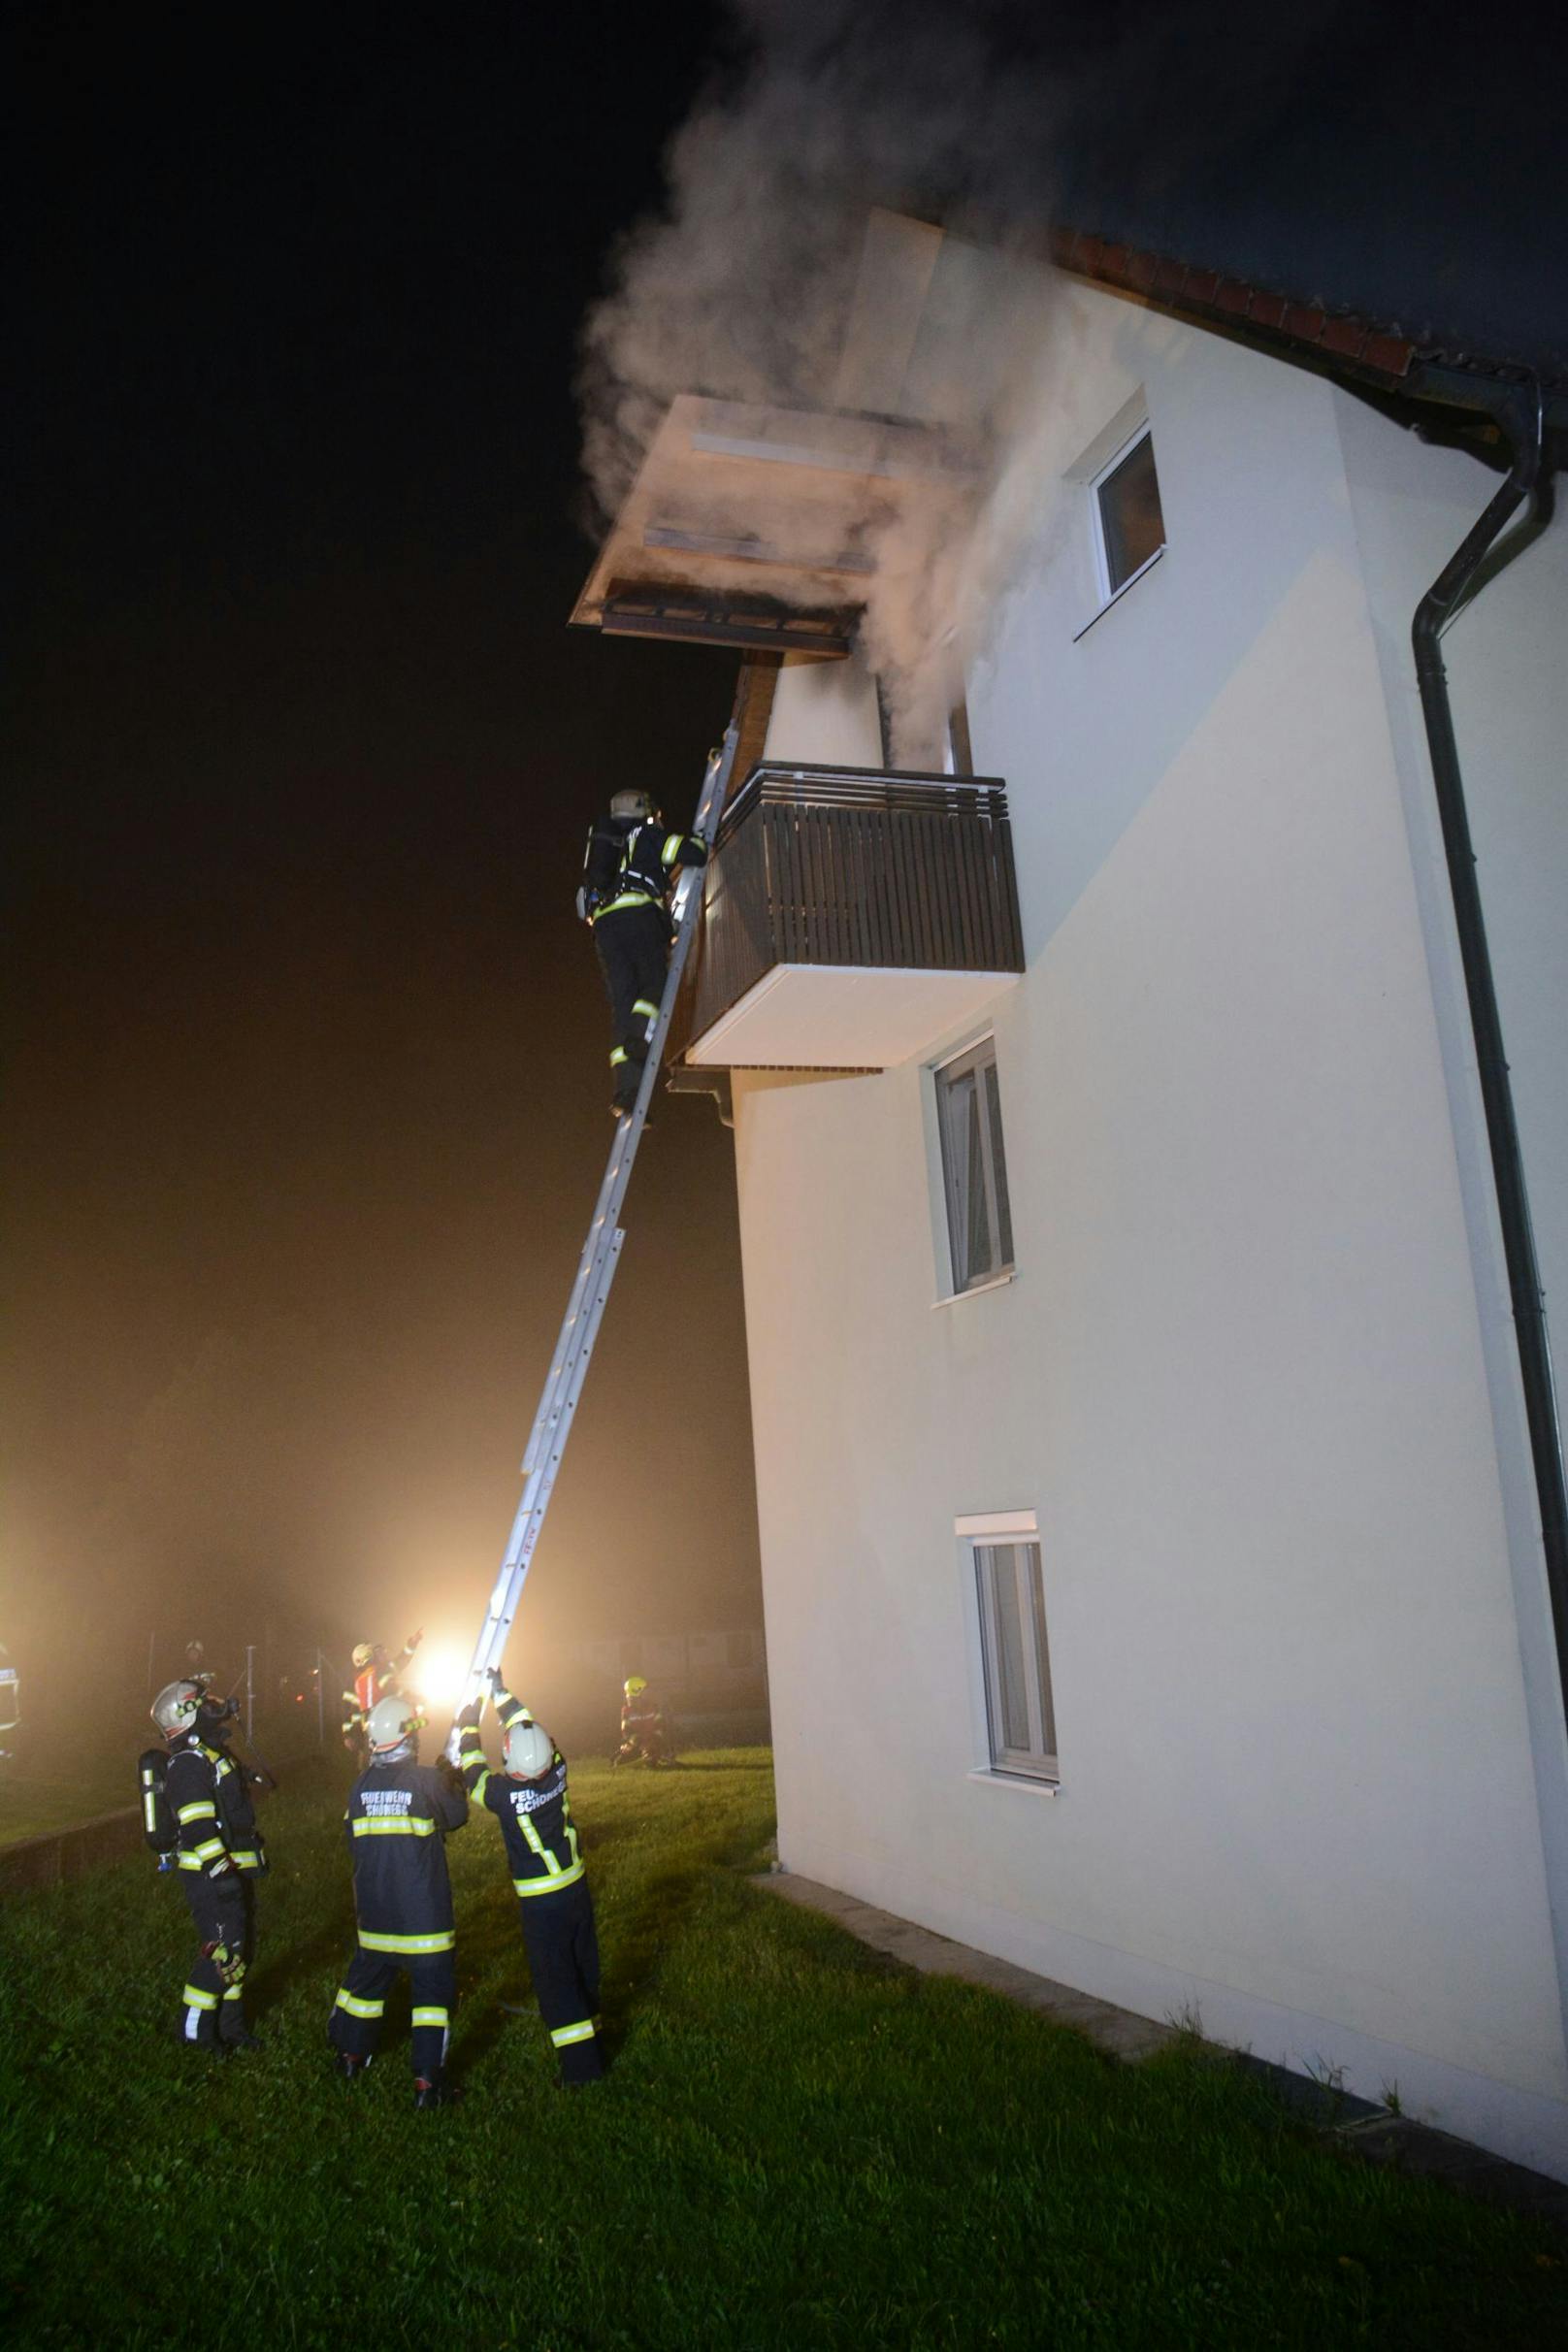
(305, 1081)
(305, 1052)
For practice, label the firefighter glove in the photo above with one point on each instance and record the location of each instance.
(228, 1960)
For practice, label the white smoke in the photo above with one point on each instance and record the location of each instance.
(744, 287)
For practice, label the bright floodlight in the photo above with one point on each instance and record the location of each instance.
(441, 1679)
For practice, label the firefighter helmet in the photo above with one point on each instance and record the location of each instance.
(175, 1708)
(632, 807)
(634, 1684)
(363, 1653)
(391, 1721)
(529, 1751)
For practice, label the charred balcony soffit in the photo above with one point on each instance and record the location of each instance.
(850, 917)
(759, 527)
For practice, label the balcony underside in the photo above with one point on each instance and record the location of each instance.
(842, 1017)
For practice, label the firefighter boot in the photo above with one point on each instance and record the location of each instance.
(435, 2093)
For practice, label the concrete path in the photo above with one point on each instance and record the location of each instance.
(1356, 2125)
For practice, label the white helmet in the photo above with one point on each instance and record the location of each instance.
(529, 1751)
(175, 1708)
(631, 807)
(390, 1722)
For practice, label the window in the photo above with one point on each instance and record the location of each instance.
(1019, 1714)
(944, 752)
(974, 1169)
(1132, 527)
(958, 757)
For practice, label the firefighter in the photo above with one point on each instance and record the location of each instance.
(645, 1726)
(529, 1797)
(375, 1677)
(627, 873)
(398, 1813)
(219, 1855)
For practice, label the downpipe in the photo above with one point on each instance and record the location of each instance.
(1523, 420)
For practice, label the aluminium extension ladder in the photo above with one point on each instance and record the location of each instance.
(596, 1269)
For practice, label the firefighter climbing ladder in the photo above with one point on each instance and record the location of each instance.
(596, 1268)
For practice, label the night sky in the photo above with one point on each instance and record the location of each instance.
(307, 1085)
(305, 1050)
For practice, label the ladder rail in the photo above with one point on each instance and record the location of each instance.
(596, 1270)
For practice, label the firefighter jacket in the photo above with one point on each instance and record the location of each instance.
(396, 1825)
(208, 1795)
(634, 867)
(641, 1715)
(535, 1815)
(372, 1685)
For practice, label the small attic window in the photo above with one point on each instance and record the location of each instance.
(1130, 526)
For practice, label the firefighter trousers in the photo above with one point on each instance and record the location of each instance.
(222, 1911)
(563, 1958)
(634, 955)
(355, 2025)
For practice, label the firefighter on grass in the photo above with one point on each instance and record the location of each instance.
(196, 1808)
(398, 1816)
(375, 1677)
(529, 1797)
(644, 1727)
(627, 876)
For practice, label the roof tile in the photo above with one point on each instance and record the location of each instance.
(1186, 288)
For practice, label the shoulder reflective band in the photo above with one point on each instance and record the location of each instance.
(395, 1825)
(561, 2035)
(442, 1940)
(548, 1885)
(672, 849)
(360, 2008)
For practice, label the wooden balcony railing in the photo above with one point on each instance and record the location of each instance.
(858, 869)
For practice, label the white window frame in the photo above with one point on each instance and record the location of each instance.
(1130, 425)
(1109, 593)
(998, 1274)
(1038, 1770)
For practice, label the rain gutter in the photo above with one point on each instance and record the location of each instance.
(1523, 419)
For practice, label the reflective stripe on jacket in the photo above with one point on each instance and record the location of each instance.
(396, 1824)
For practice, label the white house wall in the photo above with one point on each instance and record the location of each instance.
(1239, 1376)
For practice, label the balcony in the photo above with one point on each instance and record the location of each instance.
(850, 920)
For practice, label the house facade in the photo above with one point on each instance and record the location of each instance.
(1152, 1556)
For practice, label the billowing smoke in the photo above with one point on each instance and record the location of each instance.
(973, 119)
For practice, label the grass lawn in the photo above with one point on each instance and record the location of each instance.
(797, 2145)
(33, 1801)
